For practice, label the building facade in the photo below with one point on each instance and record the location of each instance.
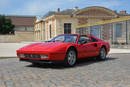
(115, 31)
(39, 30)
(54, 25)
(99, 21)
(23, 31)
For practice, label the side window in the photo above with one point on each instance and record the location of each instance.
(83, 40)
(60, 38)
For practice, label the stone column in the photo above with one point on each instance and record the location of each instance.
(126, 33)
(113, 31)
(89, 30)
(100, 31)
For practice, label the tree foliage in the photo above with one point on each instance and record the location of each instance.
(6, 26)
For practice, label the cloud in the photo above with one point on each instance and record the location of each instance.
(74, 0)
(104, 3)
(40, 7)
(111, 3)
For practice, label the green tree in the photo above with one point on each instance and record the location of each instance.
(6, 26)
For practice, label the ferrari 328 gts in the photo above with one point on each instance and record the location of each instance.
(66, 48)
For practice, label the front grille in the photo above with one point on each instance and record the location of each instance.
(32, 56)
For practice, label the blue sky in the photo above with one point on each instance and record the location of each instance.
(40, 7)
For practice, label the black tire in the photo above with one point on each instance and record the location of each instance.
(71, 58)
(102, 54)
(35, 64)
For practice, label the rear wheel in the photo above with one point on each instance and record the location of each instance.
(71, 58)
(102, 54)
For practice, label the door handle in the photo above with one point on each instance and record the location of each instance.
(95, 44)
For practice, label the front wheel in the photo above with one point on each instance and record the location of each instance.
(71, 58)
(102, 54)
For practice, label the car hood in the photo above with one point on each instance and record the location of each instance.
(45, 46)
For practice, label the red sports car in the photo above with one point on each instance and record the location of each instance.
(67, 48)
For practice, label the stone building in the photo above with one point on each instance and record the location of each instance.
(39, 30)
(55, 23)
(102, 22)
(24, 29)
(23, 23)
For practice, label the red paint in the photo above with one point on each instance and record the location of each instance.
(56, 51)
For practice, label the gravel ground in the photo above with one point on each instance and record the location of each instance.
(114, 72)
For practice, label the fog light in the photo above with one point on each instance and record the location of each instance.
(44, 56)
(21, 55)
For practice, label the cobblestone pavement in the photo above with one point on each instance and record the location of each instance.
(114, 72)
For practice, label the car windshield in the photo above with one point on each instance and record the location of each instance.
(65, 38)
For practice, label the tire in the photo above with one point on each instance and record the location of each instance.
(35, 64)
(102, 54)
(71, 58)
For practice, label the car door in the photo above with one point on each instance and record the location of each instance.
(95, 45)
(86, 48)
(91, 49)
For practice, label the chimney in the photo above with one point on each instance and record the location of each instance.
(123, 12)
(58, 10)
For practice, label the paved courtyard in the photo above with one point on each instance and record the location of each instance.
(114, 72)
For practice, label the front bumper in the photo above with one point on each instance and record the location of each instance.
(36, 61)
(51, 57)
(40, 61)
